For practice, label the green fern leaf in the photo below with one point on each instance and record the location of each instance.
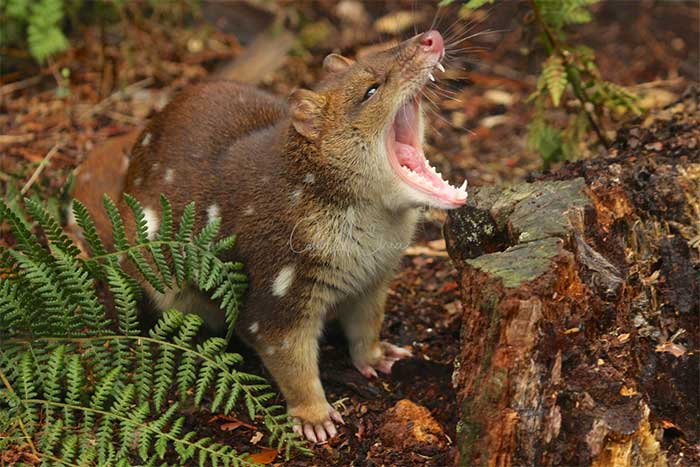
(554, 75)
(51, 228)
(186, 223)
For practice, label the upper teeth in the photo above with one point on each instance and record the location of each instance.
(432, 78)
(440, 67)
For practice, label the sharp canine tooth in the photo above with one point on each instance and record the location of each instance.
(440, 67)
(432, 78)
(464, 186)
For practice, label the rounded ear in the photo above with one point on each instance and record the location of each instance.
(305, 109)
(334, 63)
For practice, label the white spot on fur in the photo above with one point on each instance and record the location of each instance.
(213, 212)
(146, 140)
(265, 179)
(254, 327)
(249, 211)
(169, 176)
(125, 164)
(155, 166)
(270, 350)
(138, 181)
(296, 196)
(283, 281)
(309, 178)
(152, 222)
(285, 343)
(86, 177)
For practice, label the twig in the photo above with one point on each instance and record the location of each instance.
(17, 85)
(131, 120)
(44, 162)
(121, 93)
(579, 91)
(658, 82)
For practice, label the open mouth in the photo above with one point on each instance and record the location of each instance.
(407, 159)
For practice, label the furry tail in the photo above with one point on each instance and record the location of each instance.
(102, 172)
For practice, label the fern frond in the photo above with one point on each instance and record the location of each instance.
(92, 397)
(554, 76)
(87, 225)
(53, 231)
(118, 232)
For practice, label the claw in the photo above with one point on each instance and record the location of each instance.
(390, 355)
(330, 429)
(336, 417)
(396, 352)
(309, 433)
(296, 428)
(320, 433)
(368, 372)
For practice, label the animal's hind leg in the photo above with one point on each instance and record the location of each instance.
(362, 319)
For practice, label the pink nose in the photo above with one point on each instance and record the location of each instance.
(432, 41)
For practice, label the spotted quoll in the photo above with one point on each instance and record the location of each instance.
(323, 191)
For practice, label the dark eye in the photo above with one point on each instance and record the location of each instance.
(370, 91)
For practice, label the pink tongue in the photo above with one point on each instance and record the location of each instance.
(408, 156)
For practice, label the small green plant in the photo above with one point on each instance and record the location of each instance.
(82, 386)
(567, 68)
(40, 21)
(42, 26)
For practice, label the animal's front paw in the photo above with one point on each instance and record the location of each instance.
(382, 357)
(315, 422)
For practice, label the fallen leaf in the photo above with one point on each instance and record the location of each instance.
(622, 338)
(450, 286)
(669, 424)
(628, 392)
(265, 456)
(256, 438)
(438, 244)
(493, 120)
(230, 426)
(394, 23)
(674, 349)
(499, 97)
(453, 308)
(652, 279)
(572, 330)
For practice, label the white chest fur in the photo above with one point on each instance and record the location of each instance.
(361, 245)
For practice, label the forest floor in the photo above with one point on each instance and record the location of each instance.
(51, 119)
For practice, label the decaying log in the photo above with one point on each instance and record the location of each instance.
(581, 293)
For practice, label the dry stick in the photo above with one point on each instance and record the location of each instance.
(121, 93)
(573, 78)
(44, 162)
(17, 85)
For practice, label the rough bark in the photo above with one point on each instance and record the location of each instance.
(581, 296)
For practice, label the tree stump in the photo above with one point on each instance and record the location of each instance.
(581, 294)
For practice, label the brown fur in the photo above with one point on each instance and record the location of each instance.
(320, 220)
